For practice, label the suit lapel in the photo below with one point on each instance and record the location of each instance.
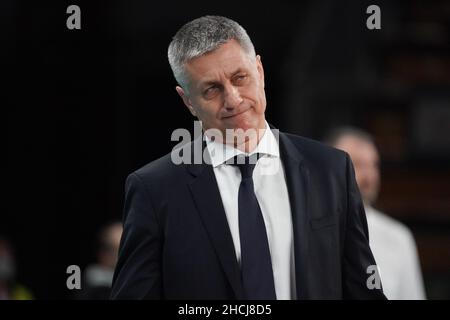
(297, 180)
(207, 198)
(206, 195)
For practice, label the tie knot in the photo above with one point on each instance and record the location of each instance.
(246, 164)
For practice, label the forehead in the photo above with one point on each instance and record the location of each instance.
(226, 60)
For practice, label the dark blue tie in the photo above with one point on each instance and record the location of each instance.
(256, 266)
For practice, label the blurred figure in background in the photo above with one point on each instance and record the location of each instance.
(9, 288)
(392, 243)
(98, 276)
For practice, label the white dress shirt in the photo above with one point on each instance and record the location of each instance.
(272, 194)
(395, 253)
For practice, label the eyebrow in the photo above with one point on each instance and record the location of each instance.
(239, 70)
(208, 83)
(213, 82)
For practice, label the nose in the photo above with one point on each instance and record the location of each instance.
(232, 98)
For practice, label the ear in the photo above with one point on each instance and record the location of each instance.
(260, 68)
(186, 100)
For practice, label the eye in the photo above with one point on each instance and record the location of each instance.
(210, 92)
(239, 79)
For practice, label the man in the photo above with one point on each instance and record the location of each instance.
(98, 276)
(226, 228)
(392, 243)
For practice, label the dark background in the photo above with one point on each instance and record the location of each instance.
(86, 107)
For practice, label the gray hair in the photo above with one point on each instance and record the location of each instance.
(336, 134)
(201, 36)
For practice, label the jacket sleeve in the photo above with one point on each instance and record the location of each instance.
(360, 274)
(138, 270)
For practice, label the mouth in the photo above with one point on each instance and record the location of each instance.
(235, 115)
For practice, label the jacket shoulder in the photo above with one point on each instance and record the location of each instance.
(159, 171)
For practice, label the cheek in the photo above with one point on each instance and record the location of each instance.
(262, 97)
(206, 110)
(263, 103)
(359, 181)
(376, 178)
(259, 99)
(361, 177)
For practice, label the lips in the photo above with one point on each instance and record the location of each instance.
(234, 115)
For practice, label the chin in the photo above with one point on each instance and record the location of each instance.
(247, 122)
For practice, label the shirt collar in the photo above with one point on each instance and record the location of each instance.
(220, 152)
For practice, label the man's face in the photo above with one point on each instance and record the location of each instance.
(365, 159)
(225, 89)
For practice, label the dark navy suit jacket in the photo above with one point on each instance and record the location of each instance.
(177, 244)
